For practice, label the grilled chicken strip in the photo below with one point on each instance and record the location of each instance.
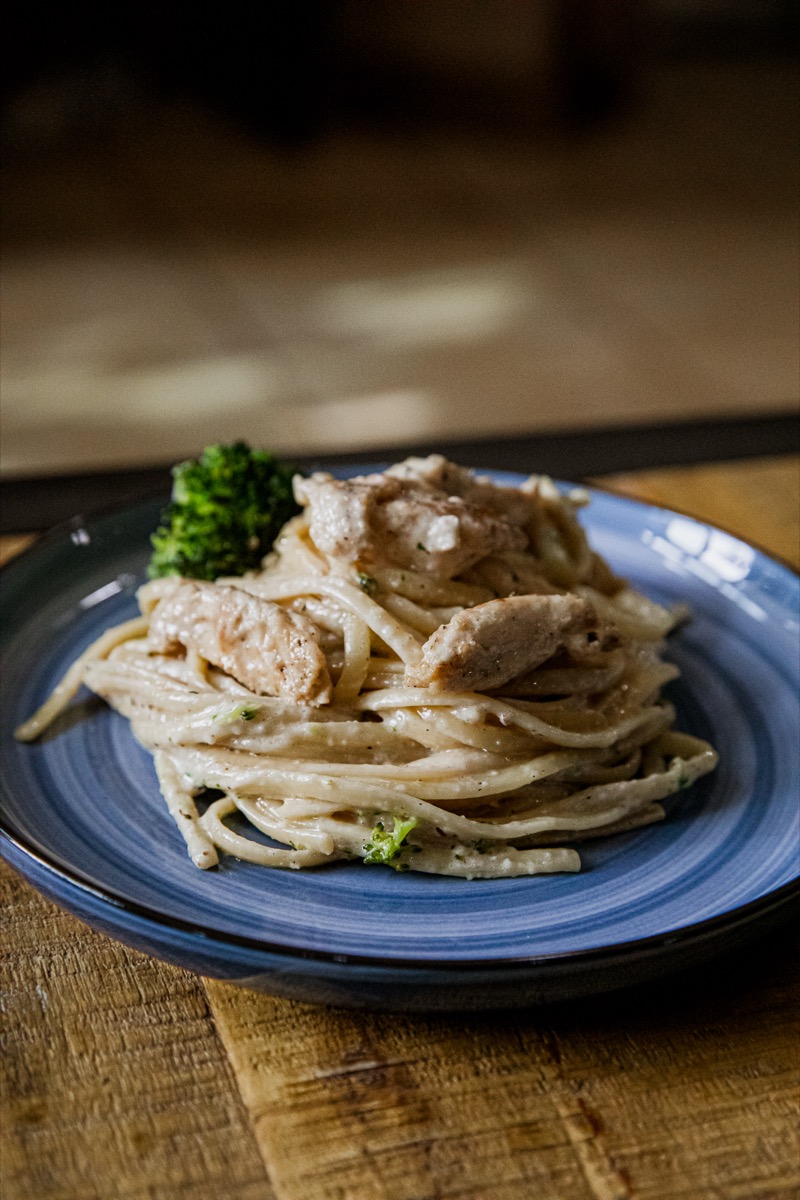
(515, 504)
(270, 650)
(481, 648)
(384, 518)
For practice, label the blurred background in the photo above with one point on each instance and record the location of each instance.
(328, 227)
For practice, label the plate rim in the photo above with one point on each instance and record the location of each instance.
(776, 898)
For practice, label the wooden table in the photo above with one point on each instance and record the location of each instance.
(124, 1077)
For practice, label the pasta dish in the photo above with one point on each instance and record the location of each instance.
(430, 670)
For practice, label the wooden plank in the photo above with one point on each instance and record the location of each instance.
(13, 543)
(114, 1081)
(684, 1089)
(690, 1085)
(370, 1106)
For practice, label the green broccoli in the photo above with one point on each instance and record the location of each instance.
(384, 846)
(239, 712)
(226, 510)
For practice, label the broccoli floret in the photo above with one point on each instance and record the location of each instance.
(226, 510)
(384, 846)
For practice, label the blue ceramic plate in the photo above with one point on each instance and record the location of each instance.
(84, 821)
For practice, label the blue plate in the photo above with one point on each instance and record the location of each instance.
(84, 822)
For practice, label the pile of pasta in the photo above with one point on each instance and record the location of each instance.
(472, 783)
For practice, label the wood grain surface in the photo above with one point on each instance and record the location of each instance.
(124, 1077)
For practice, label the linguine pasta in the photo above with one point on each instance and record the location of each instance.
(459, 685)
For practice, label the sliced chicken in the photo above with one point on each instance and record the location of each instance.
(481, 648)
(273, 652)
(515, 504)
(385, 518)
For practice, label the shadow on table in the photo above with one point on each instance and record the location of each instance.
(758, 977)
